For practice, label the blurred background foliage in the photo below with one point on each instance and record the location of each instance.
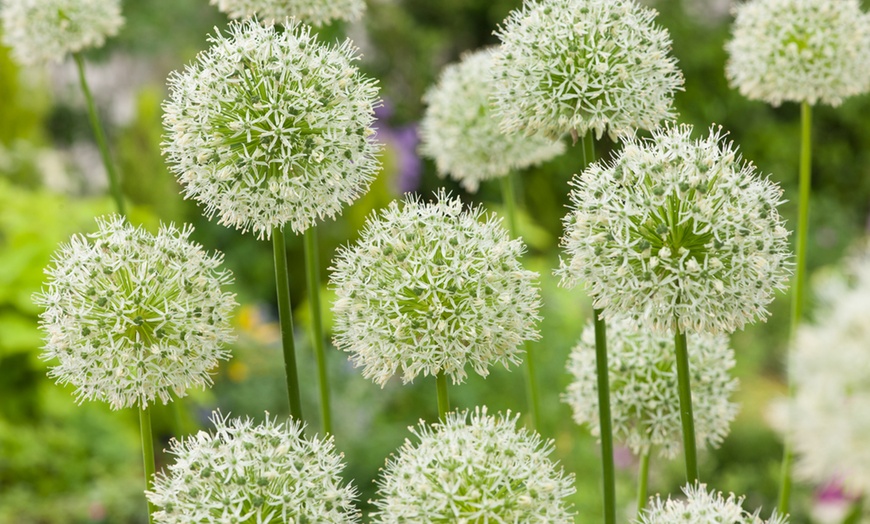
(62, 463)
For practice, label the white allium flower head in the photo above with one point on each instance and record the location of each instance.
(132, 317)
(584, 65)
(46, 31)
(461, 133)
(430, 288)
(314, 12)
(643, 387)
(271, 127)
(799, 50)
(830, 367)
(677, 229)
(478, 470)
(702, 507)
(246, 472)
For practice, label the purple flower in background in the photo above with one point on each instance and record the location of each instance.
(403, 142)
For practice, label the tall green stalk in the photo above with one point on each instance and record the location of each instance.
(312, 271)
(99, 134)
(285, 316)
(147, 454)
(510, 203)
(686, 416)
(800, 279)
(443, 399)
(604, 419)
(643, 481)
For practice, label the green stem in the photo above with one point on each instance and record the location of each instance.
(312, 270)
(443, 399)
(643, 480)
(114, 184)
(797, 299)
(533, 398)
(285, 316)
(686, 416)
(147, 454)
(608, 470)
(855, 513)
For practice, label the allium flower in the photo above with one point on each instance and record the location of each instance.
(677, 229)
(799, 50)
(263, 473)
(830, 367)
(485, 470)
(271, 127)
(315, 12)
(643, 387)
(45, 31)
(460, 132)
(132, 317)
(430, 289)
(583, 65)
(701, 507)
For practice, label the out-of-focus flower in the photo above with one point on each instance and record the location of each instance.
(799, 50)
(271, 127)
(132, 317)
(46, 31)
(583, 65)
(482, 470)
(677, 230)
(430, 288)
(702, 506)
(643, 387)
(314, 12)
(462, 135)
(246, 472)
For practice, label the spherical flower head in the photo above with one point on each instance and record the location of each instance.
(132, 317)
(45, 31)
(430, 288)
(799, 50)
(461, 133)
(643, 387)
(482, 470)
(245, 472)
(676, 229)
(583, 65)
(314, 12)
(271, 127)
(829, 422)
(701, 507)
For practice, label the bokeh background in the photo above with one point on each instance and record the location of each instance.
(63, 463)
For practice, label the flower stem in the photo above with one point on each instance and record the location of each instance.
(443, 400)
(608, 470)
(533, 398)
(686, 416)
(643, 480)
(285, 316)
(312, 271)
(114, 184)
(797, 299)
(147, 454)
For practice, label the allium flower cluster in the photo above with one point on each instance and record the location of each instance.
(132, 317)
(461, 133)
(702, 506)
(677, 229)
(799, 50)
(643, 387)
(430, 288)
(271, 127)
(315, 12)
(830, 367)
(482, 470)
(45, 31)
(583, 65)
(246, 472)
